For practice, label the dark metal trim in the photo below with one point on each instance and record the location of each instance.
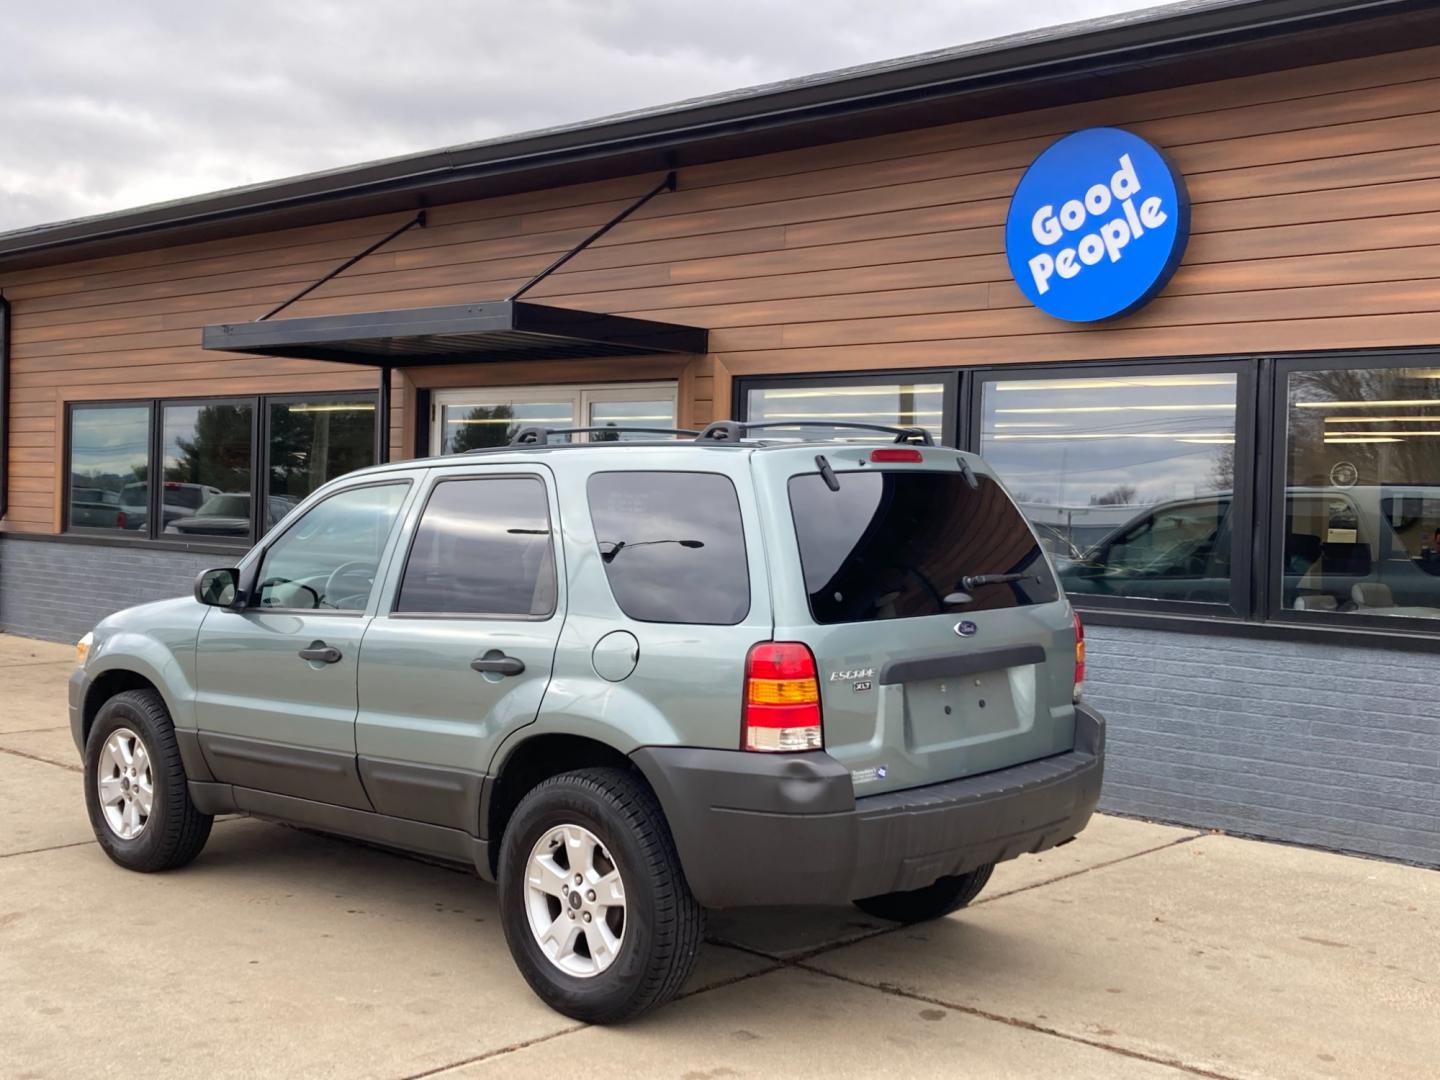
(409, 337)
(668, 184)
(418, 219)
(959, 664)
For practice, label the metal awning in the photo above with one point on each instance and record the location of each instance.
(462, 333)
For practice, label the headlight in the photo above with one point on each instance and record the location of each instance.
(82, 649)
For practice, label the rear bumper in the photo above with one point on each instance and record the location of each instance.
(787, 829)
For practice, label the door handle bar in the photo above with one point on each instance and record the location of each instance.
(498, 665)
(319, 652)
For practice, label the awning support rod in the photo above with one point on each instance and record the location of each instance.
(418, 219)
(668, 184)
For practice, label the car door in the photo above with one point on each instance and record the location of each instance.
(461, 651)
(276, 696)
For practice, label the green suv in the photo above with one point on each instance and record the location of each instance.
(627, 681)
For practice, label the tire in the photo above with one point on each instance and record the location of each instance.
(173, 832)
(947, 895)
(660, 924)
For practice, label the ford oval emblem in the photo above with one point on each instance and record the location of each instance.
(965, 628)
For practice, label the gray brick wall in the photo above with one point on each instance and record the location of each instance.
(1331, 745)
(59, 591)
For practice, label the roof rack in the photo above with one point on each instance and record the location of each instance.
(535, 435)
(734, 430)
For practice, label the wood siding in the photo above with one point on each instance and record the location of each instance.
(1316, 224)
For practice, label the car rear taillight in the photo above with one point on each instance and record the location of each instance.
(896, 454)
(782, 699)
(120, 519)
(1079, 656)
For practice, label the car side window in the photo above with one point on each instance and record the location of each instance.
(329, 559)
(1179, 541)
(483, 548)
(673, 546)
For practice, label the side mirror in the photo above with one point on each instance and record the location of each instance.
(218, 588)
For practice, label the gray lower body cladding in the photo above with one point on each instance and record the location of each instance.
(755, 829)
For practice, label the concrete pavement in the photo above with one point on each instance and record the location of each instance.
(1140, 950)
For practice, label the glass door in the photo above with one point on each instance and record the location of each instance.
(474, 419)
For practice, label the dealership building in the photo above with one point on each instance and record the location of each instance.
(1175, 274)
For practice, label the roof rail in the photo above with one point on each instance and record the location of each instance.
(733, 430)
(535, 435)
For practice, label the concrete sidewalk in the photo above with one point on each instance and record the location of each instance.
(1140, 950)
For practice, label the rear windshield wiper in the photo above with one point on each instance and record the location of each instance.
(827, 473)
(974, 581)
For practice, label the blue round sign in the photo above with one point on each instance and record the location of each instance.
(1097, 225)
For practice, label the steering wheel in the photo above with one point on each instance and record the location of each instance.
(344, 570)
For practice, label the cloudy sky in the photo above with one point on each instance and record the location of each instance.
(110, 105)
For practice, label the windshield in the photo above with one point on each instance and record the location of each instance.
(897, 545)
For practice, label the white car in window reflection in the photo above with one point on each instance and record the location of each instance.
(227, 515)
(1364, 549)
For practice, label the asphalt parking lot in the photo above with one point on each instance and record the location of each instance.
(1139, 950)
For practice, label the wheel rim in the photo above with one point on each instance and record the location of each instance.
(126, 783)
(575, 901)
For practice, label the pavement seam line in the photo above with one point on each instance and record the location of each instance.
(497, 1052)
(43, 761)
(33, 730)
(40, 850)
(1024, 1025)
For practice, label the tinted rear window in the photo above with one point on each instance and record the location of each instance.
(672, 545)
(894, 545)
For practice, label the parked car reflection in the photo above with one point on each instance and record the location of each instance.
(228, 515)
(1361, 549)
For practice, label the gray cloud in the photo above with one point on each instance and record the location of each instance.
(112, 105)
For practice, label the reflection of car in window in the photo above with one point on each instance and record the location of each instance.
(1352, 550)
(94, 508)
(226, 514)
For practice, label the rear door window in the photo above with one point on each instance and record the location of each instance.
(897, 545)
(672, 545)
(482, 548)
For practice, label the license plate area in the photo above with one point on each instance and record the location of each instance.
(962, 710)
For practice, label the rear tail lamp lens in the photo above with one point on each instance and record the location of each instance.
(781, 711)
(120, 520)
(896, 454)
(1079, 656)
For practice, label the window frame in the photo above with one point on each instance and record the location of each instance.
(154, 532)
(950, 380)
(1242, 499)
(252, 594)
(393, 610)
(1272, 605)
(67, 464)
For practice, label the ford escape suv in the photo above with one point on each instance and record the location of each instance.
(627, 681)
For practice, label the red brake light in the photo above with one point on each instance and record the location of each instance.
(1079, 656)
(781, 710)
(896, 454)
(120, 519)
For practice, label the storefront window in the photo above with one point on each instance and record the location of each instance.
(109, 467)
(207, 452)
(311, 442)
(1362, 508)
(904, 404)
(474, 427)
(1129, 480)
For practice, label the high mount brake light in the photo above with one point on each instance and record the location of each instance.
(885, 454)
(781, 711)
(1079, 656)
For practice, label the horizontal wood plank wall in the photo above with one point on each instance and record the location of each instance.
(1316, 224)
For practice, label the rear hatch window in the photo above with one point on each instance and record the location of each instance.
(905, 544)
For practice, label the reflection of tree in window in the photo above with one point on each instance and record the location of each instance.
(479, 430)
(217, 451)
(313, 443)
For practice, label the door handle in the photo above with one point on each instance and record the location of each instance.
(498, 665)
(319, 652)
